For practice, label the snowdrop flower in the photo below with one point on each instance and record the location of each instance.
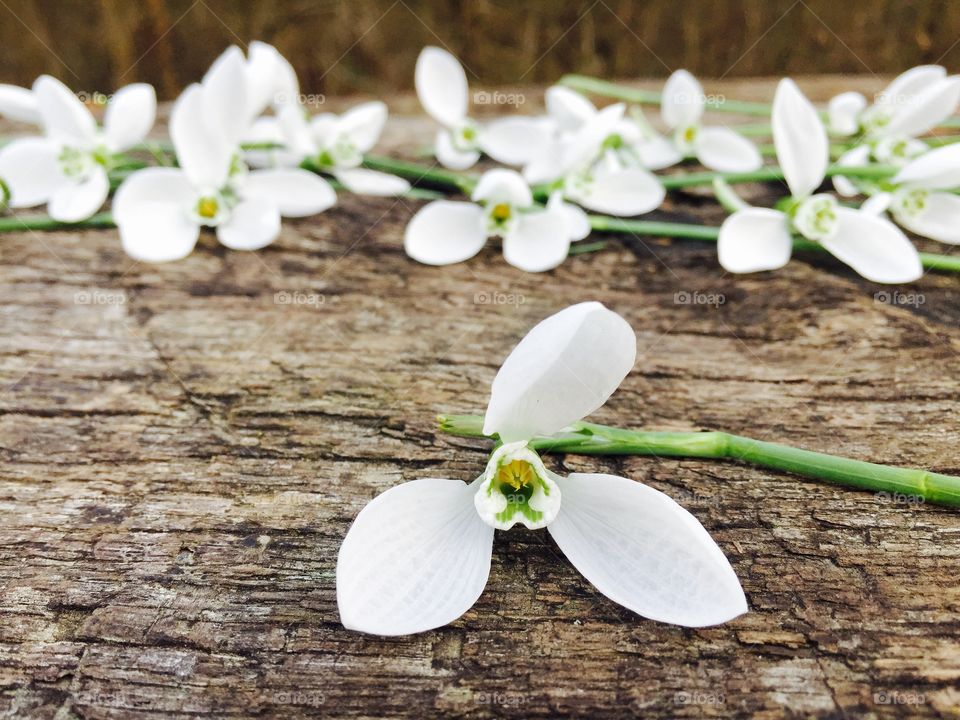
(918, 199)
(760, 238)
(418, 556)
(442, 88)
(336, 145)
(17, 103)
(161, 210)
(534, 239)
(718, 148)
(67, 168)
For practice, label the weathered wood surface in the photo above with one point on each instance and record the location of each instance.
(183, 453)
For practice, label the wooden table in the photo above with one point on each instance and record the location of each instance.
(185, 445)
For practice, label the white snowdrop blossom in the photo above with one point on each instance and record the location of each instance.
(336, 145)
(418, 556)
(161, 210)
(912, 104)
(68, 167)
(920, 198)
(444, 93)
(594, 164)
(19, 104)
(718, 148)
(755, 239)
(535, 239)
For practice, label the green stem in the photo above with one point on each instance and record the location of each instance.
(417, 174)
(590, 439)
(728, 199)
(771, 173)
(19, 223)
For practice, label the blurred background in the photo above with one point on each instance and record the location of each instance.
(370, 46)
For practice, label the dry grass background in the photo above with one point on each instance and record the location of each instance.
(369, 46)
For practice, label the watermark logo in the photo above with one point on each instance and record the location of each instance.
(696, 297)
(685, 98)
(498, 298)
(503, 699)
(297, 297)
(896, 297)
(484, 97)
(698, 697)
(306, 99)
(93, 98)
(896, 697)
(312, 698)
(896, 498)
(99, 297)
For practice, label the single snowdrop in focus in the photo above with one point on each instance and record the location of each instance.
(535, 239)
(756, 239)
(161, 210)
(718, 148)
(920, 198)
(443, 90)
(20, 104)
(336, 145)
(418, 556)
(68, 167)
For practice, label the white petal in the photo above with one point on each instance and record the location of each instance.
(225, 104)
(657, 153)
(874, 247)
(722, 149)
(515, 140)
(441, 86)
(268, 129)
(632, 191)
(445, 232)
(363, 124)
(937, 169)
(568, 108)
(843, 113)
(30, 169)
(129, 116)
(939, 220)
(585, 146)
(73, 202)
(370, 182)
(295, 192)
(149, 186)
(64, 116)
(449, 156)
(271, 80)
(546, 166)
(540, 241)
(927, 109)
(503, 186)
(204, 158)
(907, 85)
(682, 100)
(800, 139)
(578, 222)
(855, 157)
(645, 552)
(150, 209)
(297, 133)
(253, 224)
(17, 103)
(877, 204)
(416, 558)
(754, 239)
(565, 368)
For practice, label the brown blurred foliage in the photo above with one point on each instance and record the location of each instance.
(370, 46)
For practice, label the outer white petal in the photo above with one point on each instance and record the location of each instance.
(877, 204)
(30, 169)
(64, 116)
(441, 86)
(150, 208)
(939, 220)
(17, 103)
(416, 558)
(874, 247)
(568, 108)
(451, 157)
(73, 202)
(253, 224)
(907, 85)
(800, 139)
(268, 129)
(938, 169)
(503, 186)
(645, 552)
(682, 100)
(754, 239)
(515, 140)
(565, 368)
(370, 182)
(928, 108)
(130, 115)
(204, 158)
(546, 166)
(295, 192)
(632, 191)
(271, 80)
(724, 150)
(445, 232)
(578, 224)
(363, 124)
(586, 144)
(225, 104)
(540, 241)
(297, 134)
(855, 157)
(843, 113)
(657, 153)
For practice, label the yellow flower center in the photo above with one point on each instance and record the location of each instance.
(516, 474)
(500, 212)
(207, 207)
